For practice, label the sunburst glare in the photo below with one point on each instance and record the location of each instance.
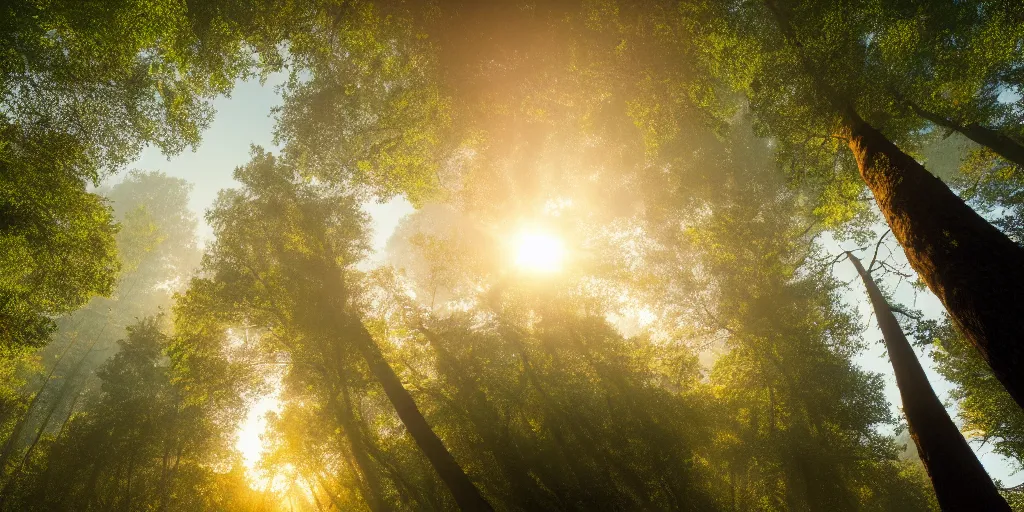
(538, 251)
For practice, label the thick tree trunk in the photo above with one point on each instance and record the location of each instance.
(465, 493)
(973, 268)
(1002, 145)
(960, 481)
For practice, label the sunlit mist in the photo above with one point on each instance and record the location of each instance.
(538, 251)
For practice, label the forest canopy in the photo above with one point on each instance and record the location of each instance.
(757, 255)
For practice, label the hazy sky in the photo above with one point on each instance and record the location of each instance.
(244, 119)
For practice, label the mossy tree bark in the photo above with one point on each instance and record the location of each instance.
(972, 267)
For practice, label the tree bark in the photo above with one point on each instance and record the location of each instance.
(959, 479)
(466, 495)
(972, 267)
(1002, 145)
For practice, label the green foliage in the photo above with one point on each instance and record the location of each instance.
(116, 76)
(143, 443)
(687, 153)
(157, 236)
(366, 108)
(83, 88)
(57, 242)
(799, 418)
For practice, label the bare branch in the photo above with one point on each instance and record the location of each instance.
(874, 257)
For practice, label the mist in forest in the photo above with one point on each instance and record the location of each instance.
(346, 255)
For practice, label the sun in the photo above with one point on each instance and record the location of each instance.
(537, 251)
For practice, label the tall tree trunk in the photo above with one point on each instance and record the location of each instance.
(972, 267)
(12, 440)
(68, 384)
(960, 481)
(1002, 145)
(485, 418)
(329, 491)
(466, 495)
(371, 488)
(12, 480)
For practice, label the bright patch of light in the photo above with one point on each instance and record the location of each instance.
(251, 431)
(537, 251)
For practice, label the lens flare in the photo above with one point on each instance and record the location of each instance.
(539, 252)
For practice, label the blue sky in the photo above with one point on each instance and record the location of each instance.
(244, 119)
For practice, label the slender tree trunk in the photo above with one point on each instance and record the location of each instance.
(68, 383)
(372, 489)
(11, 442)
(12, 480)
(330, 492)
(168, 479)
(128, 485)
(166, 473)
(1002, 145)
(316, 500)
(9, 445)
(972, 267)
(960, 481)
(483, 415)
(463, 490)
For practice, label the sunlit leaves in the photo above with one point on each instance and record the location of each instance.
(57, 240)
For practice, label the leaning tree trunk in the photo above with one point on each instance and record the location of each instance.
(972, 267)
(466, 495)
(960, 481)
(19, 426)
(484, 417)
(370, 485)
(1002, 145)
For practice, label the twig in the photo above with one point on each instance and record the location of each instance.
(874, 256)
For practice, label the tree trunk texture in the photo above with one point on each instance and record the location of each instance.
(1002, 145)
(466, 495)
(959, 479)
(973, 268)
